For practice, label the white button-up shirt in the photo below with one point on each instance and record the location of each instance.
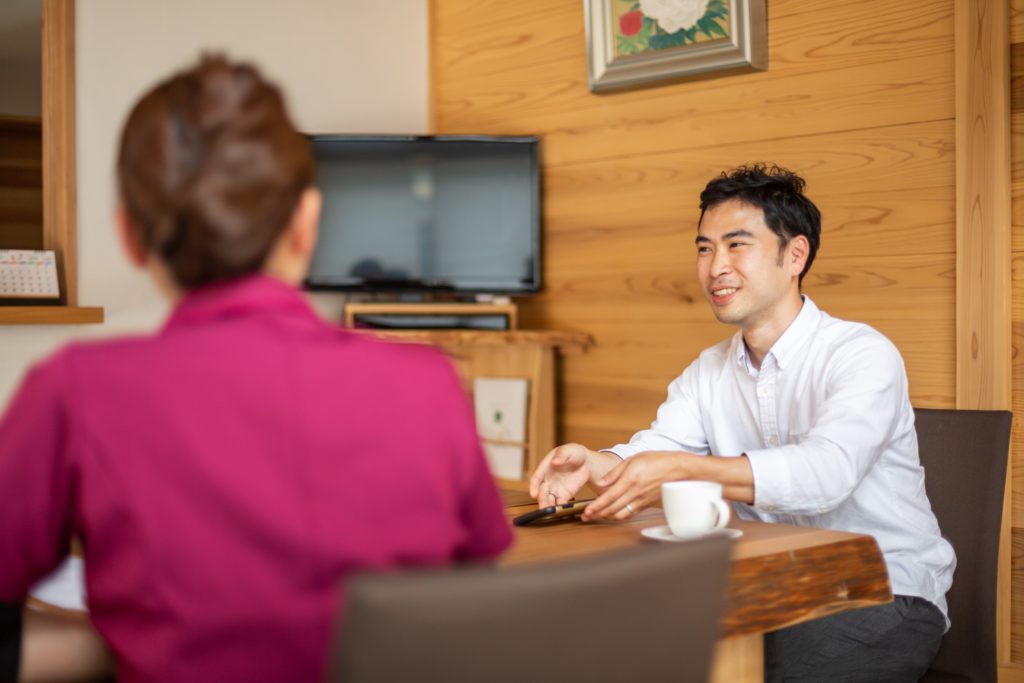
(827, 426)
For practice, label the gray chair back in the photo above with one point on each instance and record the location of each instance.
(964, 454)
(650, 613)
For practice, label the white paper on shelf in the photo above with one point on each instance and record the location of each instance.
(504, 461)
(500, 404)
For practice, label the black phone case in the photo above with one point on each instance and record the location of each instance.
(551, 513)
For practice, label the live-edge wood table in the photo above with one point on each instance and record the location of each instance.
(781, 575)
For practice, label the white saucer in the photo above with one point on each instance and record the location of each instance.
(663, 533)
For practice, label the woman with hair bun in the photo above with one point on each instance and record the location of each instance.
(226, 472)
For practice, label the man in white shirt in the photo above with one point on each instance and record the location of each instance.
(809, 422)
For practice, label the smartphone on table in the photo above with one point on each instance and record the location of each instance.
(552, 513)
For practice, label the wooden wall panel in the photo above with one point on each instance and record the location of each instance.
(1017, 236)
(858, 97)
(1016, 21)
(59, 188)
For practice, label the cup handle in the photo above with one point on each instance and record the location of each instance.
(724, 512)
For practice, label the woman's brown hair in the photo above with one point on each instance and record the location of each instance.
(211, 169)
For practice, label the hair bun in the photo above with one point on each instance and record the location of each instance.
(210, 170)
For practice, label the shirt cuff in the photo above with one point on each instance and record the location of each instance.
(622, 450)
(10, 641)
(772, 479)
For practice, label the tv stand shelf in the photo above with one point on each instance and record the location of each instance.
(435, 316)
(529, 354)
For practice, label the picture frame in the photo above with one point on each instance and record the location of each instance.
(634, 43)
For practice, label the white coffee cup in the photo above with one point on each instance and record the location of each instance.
(694, 508)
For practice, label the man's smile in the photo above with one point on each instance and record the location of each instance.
(721, 295)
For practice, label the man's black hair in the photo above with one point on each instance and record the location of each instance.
(778, 192)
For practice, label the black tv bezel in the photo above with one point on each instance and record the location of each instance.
(412, 287)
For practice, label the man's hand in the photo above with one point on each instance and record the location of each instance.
(635, 484)
(560, 475)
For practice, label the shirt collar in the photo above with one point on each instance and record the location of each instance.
(235, 298)
(786, 346)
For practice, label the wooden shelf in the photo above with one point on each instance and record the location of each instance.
(568, 343)
(50, 315)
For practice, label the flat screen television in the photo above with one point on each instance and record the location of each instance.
(455, 214)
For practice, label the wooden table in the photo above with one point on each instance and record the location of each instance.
(781, 575)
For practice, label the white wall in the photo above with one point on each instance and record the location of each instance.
(345, 66)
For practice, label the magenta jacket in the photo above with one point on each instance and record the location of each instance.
(224, 474)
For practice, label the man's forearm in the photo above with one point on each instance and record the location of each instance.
(734, 474)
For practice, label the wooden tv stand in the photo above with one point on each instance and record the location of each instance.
(529, 354)
(497, 317)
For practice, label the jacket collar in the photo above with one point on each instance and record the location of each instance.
(238, 298)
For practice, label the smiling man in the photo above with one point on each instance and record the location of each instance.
(803, 418)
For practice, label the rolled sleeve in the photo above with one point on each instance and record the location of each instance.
(857, 418)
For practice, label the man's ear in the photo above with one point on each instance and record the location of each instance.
(129, 237)
(799, 250)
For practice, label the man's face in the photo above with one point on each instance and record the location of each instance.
(745, 277)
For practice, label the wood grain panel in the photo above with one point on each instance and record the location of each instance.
(635, 195)
(1017, 609)
(1016, 474)
(1016, 21)
(738, 659)
(59, 199)
(575, 128)
(50, 315)
(471, 38)
(984, 362)
(546, 89)
(983, 206)
(1017, 181)
(1017, 77)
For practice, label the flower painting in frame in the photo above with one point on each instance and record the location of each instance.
(632, 43)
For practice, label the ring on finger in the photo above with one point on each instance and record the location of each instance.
(629, 509)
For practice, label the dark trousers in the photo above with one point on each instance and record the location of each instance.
(889, 643)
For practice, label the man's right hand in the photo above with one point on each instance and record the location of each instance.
(560, 475)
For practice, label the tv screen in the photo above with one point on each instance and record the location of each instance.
(452, 213)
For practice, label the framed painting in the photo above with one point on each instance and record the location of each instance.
(631, 43)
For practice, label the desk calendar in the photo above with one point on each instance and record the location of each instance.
(28, 274)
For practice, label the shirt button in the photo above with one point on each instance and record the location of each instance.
(772, 441)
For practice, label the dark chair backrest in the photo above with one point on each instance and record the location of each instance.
(650, 613)
(964, 454)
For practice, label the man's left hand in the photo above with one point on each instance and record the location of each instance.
(635, 484)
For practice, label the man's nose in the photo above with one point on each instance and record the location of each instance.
(720, 263)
